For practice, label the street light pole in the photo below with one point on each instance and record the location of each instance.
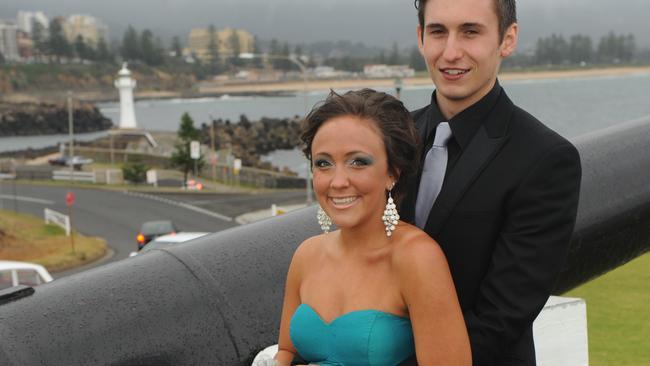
(71, 132)
(303, 69)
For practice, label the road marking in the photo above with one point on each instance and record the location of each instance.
(181, 204)
(26, 199)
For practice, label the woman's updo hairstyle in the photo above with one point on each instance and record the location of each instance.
(391, 118)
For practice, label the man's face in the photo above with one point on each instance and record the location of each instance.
(460, 43)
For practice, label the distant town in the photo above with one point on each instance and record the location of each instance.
(223, 55)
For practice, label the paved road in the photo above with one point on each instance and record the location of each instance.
(117, 215)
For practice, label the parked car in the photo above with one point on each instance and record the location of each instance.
(153, 229)
(14, 273)
(170, 239)
(76, 161)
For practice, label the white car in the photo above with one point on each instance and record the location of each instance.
(22, 273)
(170, 239)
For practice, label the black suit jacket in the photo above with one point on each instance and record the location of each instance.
(504, 219)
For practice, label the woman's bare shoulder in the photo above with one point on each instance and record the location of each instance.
(415, 247)
(310, 248)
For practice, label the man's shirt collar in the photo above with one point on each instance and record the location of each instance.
(465, 124)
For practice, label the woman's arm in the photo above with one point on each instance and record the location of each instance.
(286, 350)
(429, 293)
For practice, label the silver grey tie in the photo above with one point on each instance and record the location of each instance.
(433, 173)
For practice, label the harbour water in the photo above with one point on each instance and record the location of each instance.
(571, 106)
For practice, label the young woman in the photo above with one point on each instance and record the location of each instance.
(376, 290)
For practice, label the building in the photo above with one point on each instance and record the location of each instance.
(25, 45)
(8, 40)
(86, 26)
(388, 71)
(26, 20)
(200, 38)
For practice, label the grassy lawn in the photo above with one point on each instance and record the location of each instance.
(618, 315)
(27, 238)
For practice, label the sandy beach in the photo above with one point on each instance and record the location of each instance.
(207, 89)
(376, 83)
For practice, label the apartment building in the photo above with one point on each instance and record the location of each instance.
(8, 40)
(199, 42)
(87, 26)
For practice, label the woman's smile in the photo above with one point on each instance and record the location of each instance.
(343, 202)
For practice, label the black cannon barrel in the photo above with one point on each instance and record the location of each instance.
(613, 224)
(217, 300)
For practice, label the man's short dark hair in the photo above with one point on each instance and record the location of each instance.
(506, 13)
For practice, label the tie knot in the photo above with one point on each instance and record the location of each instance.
(443, 134)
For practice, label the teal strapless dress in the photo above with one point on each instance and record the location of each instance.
(357, 338)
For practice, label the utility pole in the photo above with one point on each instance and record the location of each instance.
(213, 158)
(70, 195)
(71, 132)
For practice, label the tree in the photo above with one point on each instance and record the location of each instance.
(298, 51)
(57, 43)
(580, 49)
(393, 59)
(135, 171)
(213, 51)
(257, 61)
(275, 50)
(381, 59)
(284, 53)
(150, 50)
(628, 45)
(235, 47)
(552, 50)
(177, 49)
(131, 45)
(39, 38)
(416, 61)
(181, 157)
(83, 50)
(103, 54)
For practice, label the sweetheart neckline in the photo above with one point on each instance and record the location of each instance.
(350, 313)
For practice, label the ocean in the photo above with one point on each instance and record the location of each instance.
(571, 106)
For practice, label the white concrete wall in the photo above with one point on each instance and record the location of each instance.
(560, 333)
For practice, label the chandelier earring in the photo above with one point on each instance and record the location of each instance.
(390, 217)
(324, 221)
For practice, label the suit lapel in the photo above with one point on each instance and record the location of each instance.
(488, 140)
(476, 156)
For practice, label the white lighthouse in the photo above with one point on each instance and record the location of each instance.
(125, 85)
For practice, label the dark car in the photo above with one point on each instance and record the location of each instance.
(153, 229)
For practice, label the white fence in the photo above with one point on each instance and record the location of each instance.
(75, 176)
(58, 218)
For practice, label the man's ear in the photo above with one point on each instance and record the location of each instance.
(420, 40)
(510, 38)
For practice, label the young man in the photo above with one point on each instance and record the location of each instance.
(499, 190)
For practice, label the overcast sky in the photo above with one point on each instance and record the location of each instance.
(375, 22)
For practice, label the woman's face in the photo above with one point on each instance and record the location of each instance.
(350, 170)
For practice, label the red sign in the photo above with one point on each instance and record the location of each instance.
(69, 199)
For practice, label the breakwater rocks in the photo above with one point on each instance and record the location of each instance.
(24, 119)
(249, 140)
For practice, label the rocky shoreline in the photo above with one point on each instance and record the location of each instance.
(27, 119)
(250, 140)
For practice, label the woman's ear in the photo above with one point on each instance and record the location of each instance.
(391, 183)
